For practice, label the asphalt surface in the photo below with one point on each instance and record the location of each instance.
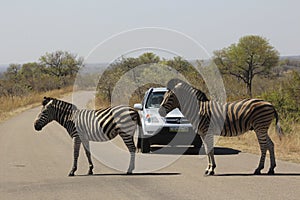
(34, 165)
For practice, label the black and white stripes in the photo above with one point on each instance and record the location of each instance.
(91, 125)
(231, 119)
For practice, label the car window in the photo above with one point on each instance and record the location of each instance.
(154, 100)
(144, 99)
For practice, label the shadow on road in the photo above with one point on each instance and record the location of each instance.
(137, 174)
(192, 151)
(264, 174)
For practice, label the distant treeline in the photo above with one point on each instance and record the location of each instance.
(52, 71)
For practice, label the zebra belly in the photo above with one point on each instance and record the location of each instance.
(91, 132)
(233, 129)
(97, 136)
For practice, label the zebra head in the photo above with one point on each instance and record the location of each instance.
(181, 95)
(169, 103)
(45, 115)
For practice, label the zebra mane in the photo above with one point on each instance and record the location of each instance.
(46, 100)
(173, 82)
(55, 101)
(201, 96)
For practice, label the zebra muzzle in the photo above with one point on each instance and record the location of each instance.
(37, 127)
(162, 111)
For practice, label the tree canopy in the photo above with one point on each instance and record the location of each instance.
(61, 63)
(53, 71)
(153, 69)
(251, 56)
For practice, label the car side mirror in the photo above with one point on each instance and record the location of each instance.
(138, 106)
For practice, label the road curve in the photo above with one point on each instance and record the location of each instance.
(35, 166)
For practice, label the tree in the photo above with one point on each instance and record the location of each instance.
(152, 67)
(251, 56)
(12, 84)
(61, 64)
(12, 73)
(179, 64)
(117, 69)
(148, 58)
(31, 75)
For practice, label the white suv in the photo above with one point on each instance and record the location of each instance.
(174, 129)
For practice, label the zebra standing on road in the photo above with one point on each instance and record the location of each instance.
(91, 125)
(210, 118)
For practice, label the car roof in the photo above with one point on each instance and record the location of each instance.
(161, 89)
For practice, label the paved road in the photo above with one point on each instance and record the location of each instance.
(35, 166)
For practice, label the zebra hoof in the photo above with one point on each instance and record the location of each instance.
(71, 174)
(271, 172)
(129, 173)
(209, 173)
(257, 172)
(90, 173)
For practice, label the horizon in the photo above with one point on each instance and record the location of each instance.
(4, 66)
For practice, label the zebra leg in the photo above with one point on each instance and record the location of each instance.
(208, 166)
(76, 148)
(86, 146)
(208, 142)
(262, 139)
(132, 163)
(272, 156)
(212, 164)
(129, 142)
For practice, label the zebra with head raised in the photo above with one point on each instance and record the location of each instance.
(231, 119)
(91, 125)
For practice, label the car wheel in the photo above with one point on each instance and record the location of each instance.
(145, 145)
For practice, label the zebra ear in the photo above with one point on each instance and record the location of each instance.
(173, 83)
(49, 103)
(46, 101)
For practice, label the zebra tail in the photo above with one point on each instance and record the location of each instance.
(278, 128)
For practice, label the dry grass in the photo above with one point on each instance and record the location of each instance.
(286, 149)
(11, 106)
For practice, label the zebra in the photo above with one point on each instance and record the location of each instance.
(230, 119)
(91, 125)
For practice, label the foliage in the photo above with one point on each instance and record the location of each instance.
(251, 56)
(286, 97)
(140, 73)
(61, 64)
(53, 71)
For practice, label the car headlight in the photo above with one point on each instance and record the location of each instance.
(151, 119)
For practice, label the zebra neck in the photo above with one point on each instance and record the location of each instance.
(190, 109)
(65, 119)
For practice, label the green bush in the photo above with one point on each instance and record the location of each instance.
(286, 99)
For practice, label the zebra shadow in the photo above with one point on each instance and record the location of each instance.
(263, 174)
(192, 151)
(136, 174)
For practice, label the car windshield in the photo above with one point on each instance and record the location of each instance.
(155, 99)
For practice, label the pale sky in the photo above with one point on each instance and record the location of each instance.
(30, 28)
